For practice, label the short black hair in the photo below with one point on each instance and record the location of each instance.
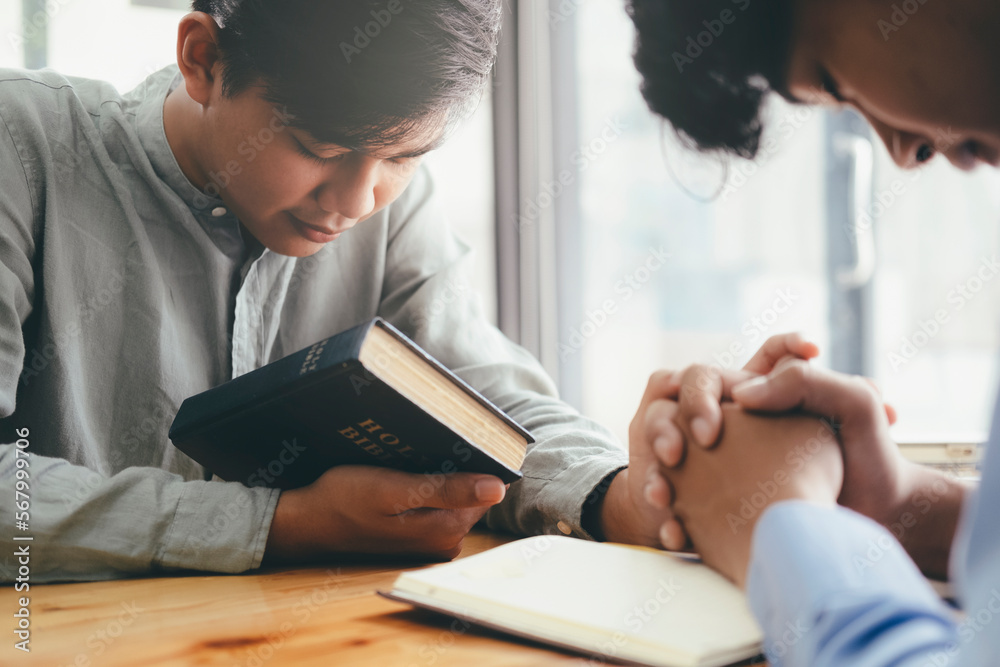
(708, 65)
(360, 73)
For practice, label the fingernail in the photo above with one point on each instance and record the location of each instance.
(665, 538)
(490, 491)
(702, 431)
(750, 390)
(647, 493)
(664, 451)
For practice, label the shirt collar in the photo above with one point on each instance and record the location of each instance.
(209, 210)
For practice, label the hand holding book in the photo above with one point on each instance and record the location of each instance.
(366, 509)
(379, 448)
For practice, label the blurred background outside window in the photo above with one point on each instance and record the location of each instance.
(756, 259)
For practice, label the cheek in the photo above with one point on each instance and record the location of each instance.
(273, 181)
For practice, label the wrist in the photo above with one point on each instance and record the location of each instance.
(283, 538)
(925, 518)
(590, 513)
(622, 518)
(895, 497)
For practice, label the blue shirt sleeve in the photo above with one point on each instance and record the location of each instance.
(975, 561)
(831, 588)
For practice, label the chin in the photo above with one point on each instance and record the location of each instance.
(295, 248)
(289, 244)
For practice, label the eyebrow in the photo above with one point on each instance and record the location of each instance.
(329, 146)
(827, 84)
(417, 153)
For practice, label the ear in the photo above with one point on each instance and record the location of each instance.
(198, 55)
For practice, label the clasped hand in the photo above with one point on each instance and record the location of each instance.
(711, 449)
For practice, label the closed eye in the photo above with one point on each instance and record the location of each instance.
(829, 86)
(306, 153)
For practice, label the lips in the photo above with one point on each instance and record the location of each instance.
(323, 230)
(315, 233)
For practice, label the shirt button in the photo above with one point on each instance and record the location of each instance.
(219, 211)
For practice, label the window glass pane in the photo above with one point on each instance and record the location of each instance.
(112, 40)
(937, 295)
(745, 266)
(13, 31)
(463, 175)
(759, 248)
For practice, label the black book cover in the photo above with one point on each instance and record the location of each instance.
(285, 424)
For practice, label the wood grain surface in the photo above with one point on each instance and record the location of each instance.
(304, 616)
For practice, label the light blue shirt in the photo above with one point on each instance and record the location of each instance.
(830, 587)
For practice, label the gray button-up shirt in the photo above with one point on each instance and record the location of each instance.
(124, 289)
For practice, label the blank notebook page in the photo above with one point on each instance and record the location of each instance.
(608, 600)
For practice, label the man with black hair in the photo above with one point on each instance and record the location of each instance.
(264, 193)
(830, 585)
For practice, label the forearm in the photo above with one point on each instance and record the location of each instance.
(427, 294)
(621, 519)
(926, 520)
(86, 526)
(829, 588)
(563, 469)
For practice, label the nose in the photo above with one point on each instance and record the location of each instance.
(908, 150)
(349, 190)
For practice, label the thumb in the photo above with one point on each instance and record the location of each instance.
(765, 393)
(462, 490)
(793, 384)
(798, 385)
(776, 348)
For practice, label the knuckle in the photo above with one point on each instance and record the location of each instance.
(695, 399)
(660, 376)
(772, 344)
(780, 340)
(865, 395)
(661, 410)
(687, 395)
(690, 397)
(446, 493)
(702, 377)
(658, 382)
(699, 370)
(797, 370)
(659, 417)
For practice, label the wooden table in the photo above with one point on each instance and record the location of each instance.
(304, 616)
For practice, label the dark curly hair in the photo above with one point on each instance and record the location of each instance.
(707, 66)
(360, 73)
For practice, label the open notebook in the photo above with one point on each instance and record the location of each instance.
(607, 601)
